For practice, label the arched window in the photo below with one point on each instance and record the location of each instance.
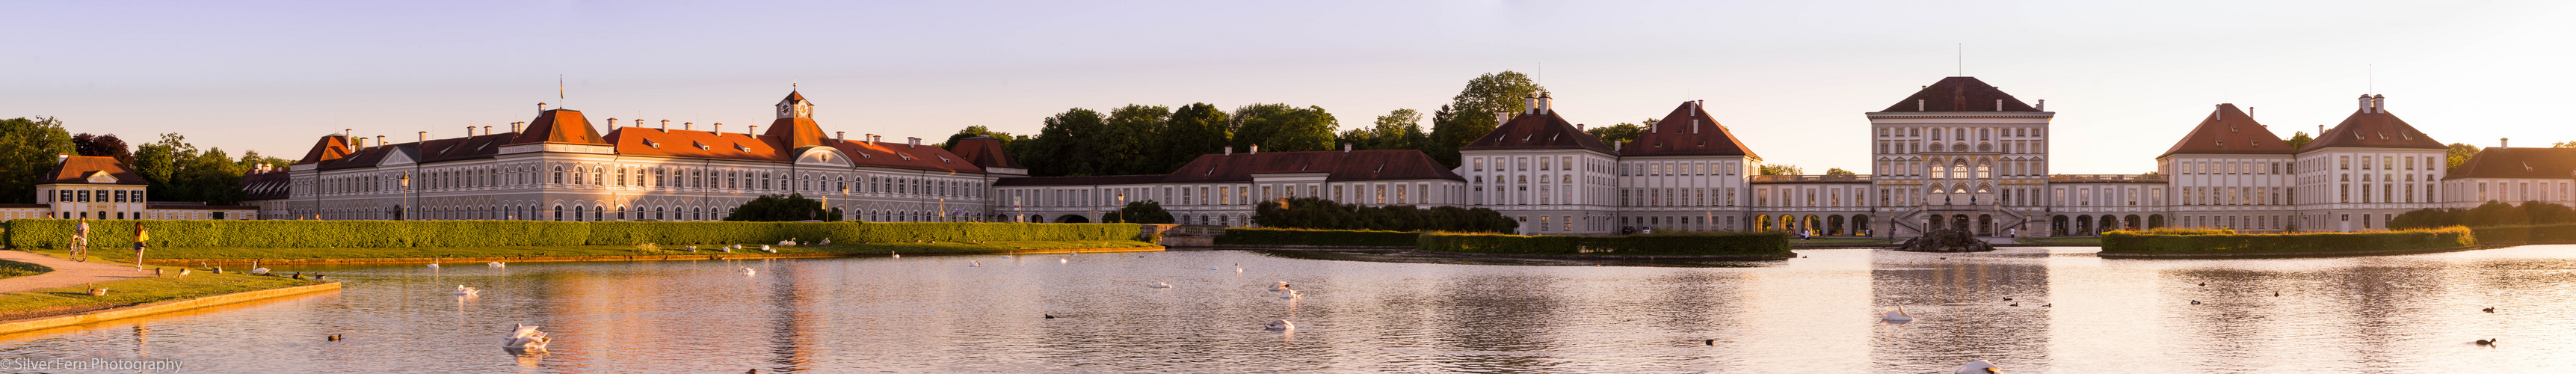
(621, 180)
(559, 177)
(1984, 171)
(559, 213)
(596, 174)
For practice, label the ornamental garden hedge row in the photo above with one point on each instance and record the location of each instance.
(2135, 242)
(1698, 243)
(2527, 233)
(1270, 236)
(56, 233)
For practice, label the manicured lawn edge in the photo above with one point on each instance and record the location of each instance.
(192, 256)
(1323, 238)
(158, 307)
(14, 269)
(2177, 243)
(1769, 243)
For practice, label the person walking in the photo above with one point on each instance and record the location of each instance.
(140, 236)
(80, 240)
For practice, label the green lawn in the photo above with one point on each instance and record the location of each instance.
(12, 269)
(1841, 241)
(2081, 241)
(76, 299)
(591, 250)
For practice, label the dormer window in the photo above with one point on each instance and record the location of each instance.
(944, 160)
(650, 143)
(739, 147)
(701, 146)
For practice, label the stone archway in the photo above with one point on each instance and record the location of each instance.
(2130, 222)
(2057, 226)
(1072, 218)
(2156, 221)
(1834, 226)
(1860, 225)
(1959, 222)
(2084, 225)
(1985, 225)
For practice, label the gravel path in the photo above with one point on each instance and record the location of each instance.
(66, 273)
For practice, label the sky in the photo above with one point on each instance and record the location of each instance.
(1790, 78)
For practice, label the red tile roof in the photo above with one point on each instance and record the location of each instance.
(1079, 181)
(1537, 131)
(2373, 130)
(796, 132)
(1959, 94)
(985, 152)
(903, 156)
(1404, 164)
(2230, 131)
(77, 169)
(2501, 162)
(559, 126)
(1688, 131)
(330, 147)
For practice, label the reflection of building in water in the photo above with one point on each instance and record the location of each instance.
(1960, 309)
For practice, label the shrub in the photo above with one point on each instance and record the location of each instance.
(2137, 242)
(774, 208)
(1676, 243)
(2529, 233)
(1277, 236)
(1140, 212)
(1318, 213)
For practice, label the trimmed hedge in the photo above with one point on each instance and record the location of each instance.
(2134, 242)
(56, 233)
(1699, 243)
(1271, 236)
(2532, 233)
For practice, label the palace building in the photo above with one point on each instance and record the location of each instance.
(1957, 154)
(100, 188)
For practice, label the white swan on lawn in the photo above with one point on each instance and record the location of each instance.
(1279, 325)
(1896, 314)
(526, 337)
(259, 271)
(462, 290)
(765, 248)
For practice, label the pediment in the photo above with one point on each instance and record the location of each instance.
(823, 156)
(101, 177)
(396, 158)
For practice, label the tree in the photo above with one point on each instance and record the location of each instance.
(1471, 113)
(1318, 213)
(103, 145)
(27, 150)
(1140, 212)
(1193, 130)
(2300, 139)
(774, 208)
(252, 159)
(2564, 144)
(1839, 171)
(1125, 145)
(1620, 133)
(1283, 128)
(975, 131)
(2459, 154)
(1398, 129)
(159, 161)
(1782, 169)
(1059, 146)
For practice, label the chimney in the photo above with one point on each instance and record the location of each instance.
(1501, 116)
(2321, 130)
(1918, 104)
(915, 142)
(380, 141)
(755, 129)
(2222, 112)
(1614, 146)
(2504, 142)
(1999, 105)
(361, 143)
(841, 135)
(424, 139)
(612, 124)
(2378, 103)
(1346, 147)
(59, 158)
(2365, 103)
(346, 140)
(718, 129)
(1256, 149)
(1546, 103)
(518, 126)
(487, 130)
(2043, 105)
(870, 138)
(1229, 150)
(1531, 103)
(541, 107)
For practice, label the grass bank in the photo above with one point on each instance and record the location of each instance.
(1694, 243)
(1270, 236)
(2224, 243)
(2075, 241)
(1820, 242)
(13, 269)
(602, 250)
(124, 293)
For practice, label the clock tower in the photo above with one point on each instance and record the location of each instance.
(795, 107)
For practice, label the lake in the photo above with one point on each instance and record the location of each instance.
(1361, 312)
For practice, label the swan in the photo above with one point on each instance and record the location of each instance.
(1214, 268)
(747, 271)
(1238, 268)
(264, 271)
(433, 265)
(896, 255)
(1281, 287)
(693, 248)
(2195, 302)
(1066, 261)
(974, 264)
(1896, 314)
(826, 241)
(765, 248)
(1279, 325)
(1291, 294)
(497, 264)
(1160, 285)
(462, 290)
(525, 337)
(1978, 367)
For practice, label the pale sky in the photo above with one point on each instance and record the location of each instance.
(1790, 78)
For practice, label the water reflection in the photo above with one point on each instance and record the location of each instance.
(1382, 312)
